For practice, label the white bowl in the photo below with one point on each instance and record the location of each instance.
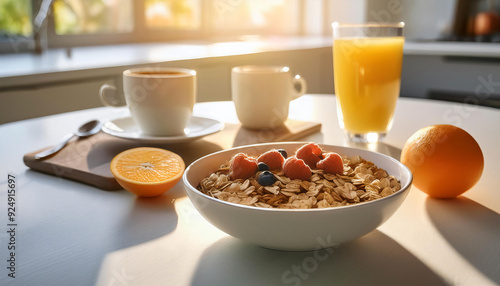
(295, 229)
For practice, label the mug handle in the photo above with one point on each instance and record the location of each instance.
(301, 82)
(108, 96)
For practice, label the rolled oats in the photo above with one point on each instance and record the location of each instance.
(361, 181)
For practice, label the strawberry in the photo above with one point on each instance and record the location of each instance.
(241, 166)
(310, 153)
(332, 164)
(296, 169)
(272, 158)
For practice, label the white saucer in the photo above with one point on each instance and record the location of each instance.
(197, 127)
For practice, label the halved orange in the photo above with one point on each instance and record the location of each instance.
(147, 171)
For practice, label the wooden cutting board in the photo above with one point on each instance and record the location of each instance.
(87, 160)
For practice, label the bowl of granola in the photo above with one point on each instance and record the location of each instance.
(297, 196)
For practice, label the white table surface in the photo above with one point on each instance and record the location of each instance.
(69, 233)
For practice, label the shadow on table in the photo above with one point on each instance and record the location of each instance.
(472, 229)
(158, 212)
(374, 259)
(379, 147)
(94, 224)
(79, 236)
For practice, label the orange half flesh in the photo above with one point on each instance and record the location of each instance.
(147, 171)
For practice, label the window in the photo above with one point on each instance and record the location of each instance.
(15, 17)
(117, 16)
(15, 24)
(173, 14)
(73, 17)
(262, 16)
(69, 23)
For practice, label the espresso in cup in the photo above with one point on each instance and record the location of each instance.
(165, 73)
(160, 100)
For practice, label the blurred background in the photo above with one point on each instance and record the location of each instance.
(55, 54)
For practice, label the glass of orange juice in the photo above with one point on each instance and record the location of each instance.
(367, 60)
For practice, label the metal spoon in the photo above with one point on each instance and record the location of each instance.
(87, 129)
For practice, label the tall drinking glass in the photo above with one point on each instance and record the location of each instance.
(367, 62)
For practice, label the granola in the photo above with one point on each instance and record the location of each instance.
(361, 181)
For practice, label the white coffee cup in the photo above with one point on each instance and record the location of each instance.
(160, 100)
(262, 94)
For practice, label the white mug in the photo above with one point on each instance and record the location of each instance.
(160, 100)
(262, 94)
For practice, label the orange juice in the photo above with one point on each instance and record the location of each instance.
(367, 80)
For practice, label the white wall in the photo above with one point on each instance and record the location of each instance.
(352, 11)
(424, 19)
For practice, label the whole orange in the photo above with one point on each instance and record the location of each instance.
(445, 160)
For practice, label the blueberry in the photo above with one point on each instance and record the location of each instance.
(263, 166)
(266, 178)
(283, 153)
